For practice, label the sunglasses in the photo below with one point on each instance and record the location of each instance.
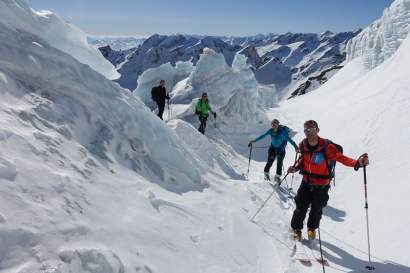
(310, 130)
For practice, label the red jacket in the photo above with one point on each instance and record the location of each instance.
(313, 164)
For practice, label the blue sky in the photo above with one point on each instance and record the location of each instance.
(214, 17)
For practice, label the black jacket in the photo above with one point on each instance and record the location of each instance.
(159, 94)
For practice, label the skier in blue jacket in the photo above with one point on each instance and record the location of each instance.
(279, 138)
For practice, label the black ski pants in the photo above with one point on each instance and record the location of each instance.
(272, 154)
(203, 120)
(316, 198)
(161, 107)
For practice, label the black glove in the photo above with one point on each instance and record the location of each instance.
(214, 114)
(362, 161)
(250, 144)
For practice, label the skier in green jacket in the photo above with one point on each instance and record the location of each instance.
(202, 109)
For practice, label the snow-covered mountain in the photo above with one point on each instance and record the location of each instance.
(115, 57)
(116, 43)
(283, 60)
(160, 49)
(314, 82)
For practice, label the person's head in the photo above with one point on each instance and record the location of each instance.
(275, 124)
(204, 96)
(162, 82)
(311, 129)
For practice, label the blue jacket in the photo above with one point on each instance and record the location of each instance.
(279, 139)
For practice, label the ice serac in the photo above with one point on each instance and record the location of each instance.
(56, 32)
(233, 91)
(383, 37)
(151, 77)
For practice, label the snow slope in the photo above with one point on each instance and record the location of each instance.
(56, 32)
(365, 112)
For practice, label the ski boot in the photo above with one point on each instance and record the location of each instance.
(297, 235)
(277, 178)
(311, 234)
(267, 177)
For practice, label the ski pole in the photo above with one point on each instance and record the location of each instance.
(286, 181)
(169, 111)
(366, 206)
(321, 251)
(293, 174)
(267, 199)
(249, 163)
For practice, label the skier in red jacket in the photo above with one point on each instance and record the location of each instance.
(314, 165)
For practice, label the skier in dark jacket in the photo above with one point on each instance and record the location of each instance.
(317, 154)
(202, 109)
(159, 95)
(279, 138)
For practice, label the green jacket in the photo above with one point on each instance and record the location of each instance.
(203, 107)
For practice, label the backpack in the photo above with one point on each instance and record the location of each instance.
(332, 164)
(154, 93)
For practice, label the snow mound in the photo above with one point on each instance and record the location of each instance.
(50, 93)
(382, 38)
(59, 34)
(203, 147)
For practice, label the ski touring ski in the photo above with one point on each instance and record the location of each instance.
(313, 248)
(289, 194)
(301, 255)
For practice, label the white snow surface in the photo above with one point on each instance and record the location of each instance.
(55, 31)
(92, 182)
(382, 38)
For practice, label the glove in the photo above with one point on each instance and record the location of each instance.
(250, 143)
(214, 114)
(362, 161)
(297, 150)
